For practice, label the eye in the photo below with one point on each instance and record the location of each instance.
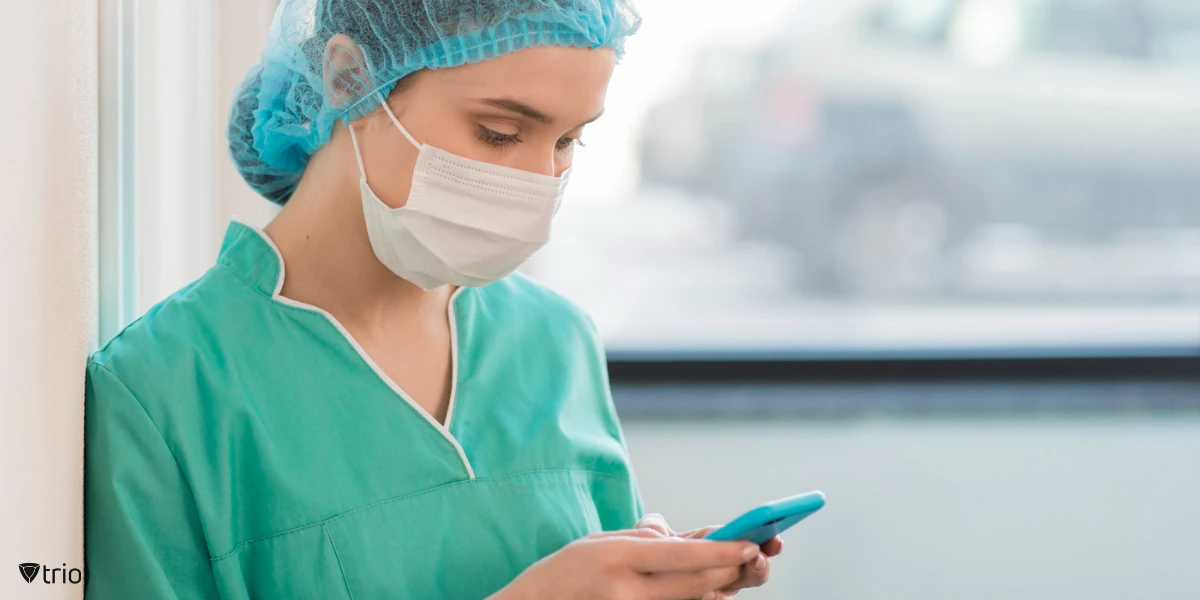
(497, 139)
(565, 143)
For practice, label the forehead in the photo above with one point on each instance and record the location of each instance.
(565, 83)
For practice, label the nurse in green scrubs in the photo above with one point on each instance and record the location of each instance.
(364, 399)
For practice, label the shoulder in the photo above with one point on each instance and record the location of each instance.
(522, 295)
(161, 349)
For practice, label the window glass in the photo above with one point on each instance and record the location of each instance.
(773, 178)
(1175, 32)
(1113, 28)
(920, 21)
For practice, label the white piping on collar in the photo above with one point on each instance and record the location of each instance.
(266, 238)
(442, 429)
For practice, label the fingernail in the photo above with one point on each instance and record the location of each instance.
(749, 552)
(709, 596)
(761, 563)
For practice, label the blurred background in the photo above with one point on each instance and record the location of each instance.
(937, 258)
(911, 212)
(899, 173)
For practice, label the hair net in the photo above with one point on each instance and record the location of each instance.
(281, 114)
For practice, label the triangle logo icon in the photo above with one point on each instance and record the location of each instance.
(29, 571)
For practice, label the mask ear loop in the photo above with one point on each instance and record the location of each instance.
(362, 170)
(414, 142)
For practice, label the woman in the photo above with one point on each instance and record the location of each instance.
(365, 400)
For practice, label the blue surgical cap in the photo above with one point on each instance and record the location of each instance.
(281, 114)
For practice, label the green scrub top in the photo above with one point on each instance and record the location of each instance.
(240, 444)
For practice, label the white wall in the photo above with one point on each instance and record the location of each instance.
(1103, 508)
(48, 182)
(69, 77)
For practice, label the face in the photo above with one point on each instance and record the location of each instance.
(526, 110)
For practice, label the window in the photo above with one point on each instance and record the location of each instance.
(836, 197)
(1113, 28)
(919, 21)
(168, 71)
(1164, 31)
(1175, 27)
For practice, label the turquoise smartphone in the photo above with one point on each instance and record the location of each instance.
(769, 520)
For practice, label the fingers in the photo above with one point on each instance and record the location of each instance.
(754, 574)
(655, 522)
(648, 555)
(698, 584)
(675, 561)
(699, 534)
(773, 547)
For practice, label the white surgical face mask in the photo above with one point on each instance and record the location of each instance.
(466, 222)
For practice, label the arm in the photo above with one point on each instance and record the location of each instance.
(142, 532)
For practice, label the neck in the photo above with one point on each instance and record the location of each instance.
(330, 264)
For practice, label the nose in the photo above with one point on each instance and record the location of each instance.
(545, 162)
(558, 164)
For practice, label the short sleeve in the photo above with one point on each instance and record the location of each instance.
(142, 531)
(631, 504)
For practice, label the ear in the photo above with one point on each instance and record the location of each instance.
(344, 70)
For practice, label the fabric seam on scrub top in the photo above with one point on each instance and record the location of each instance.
(237, 548)
(115, 337)
(338, 556)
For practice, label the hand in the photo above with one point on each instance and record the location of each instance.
(754, 573)
(632, 565)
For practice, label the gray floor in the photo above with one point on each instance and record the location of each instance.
(1095, 507)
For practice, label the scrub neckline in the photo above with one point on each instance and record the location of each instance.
(443, 429)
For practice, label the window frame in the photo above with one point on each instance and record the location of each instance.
(117, 214)
(698, 384)
(1168, 363)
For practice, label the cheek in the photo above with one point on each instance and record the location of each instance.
(391, 179)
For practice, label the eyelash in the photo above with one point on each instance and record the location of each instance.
(500, 140)
(569, 142)
(496, 139)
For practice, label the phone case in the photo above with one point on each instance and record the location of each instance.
(769, 520)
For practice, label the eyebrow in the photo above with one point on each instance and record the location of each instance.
(528, 111)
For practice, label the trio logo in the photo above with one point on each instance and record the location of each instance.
(29, 571)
